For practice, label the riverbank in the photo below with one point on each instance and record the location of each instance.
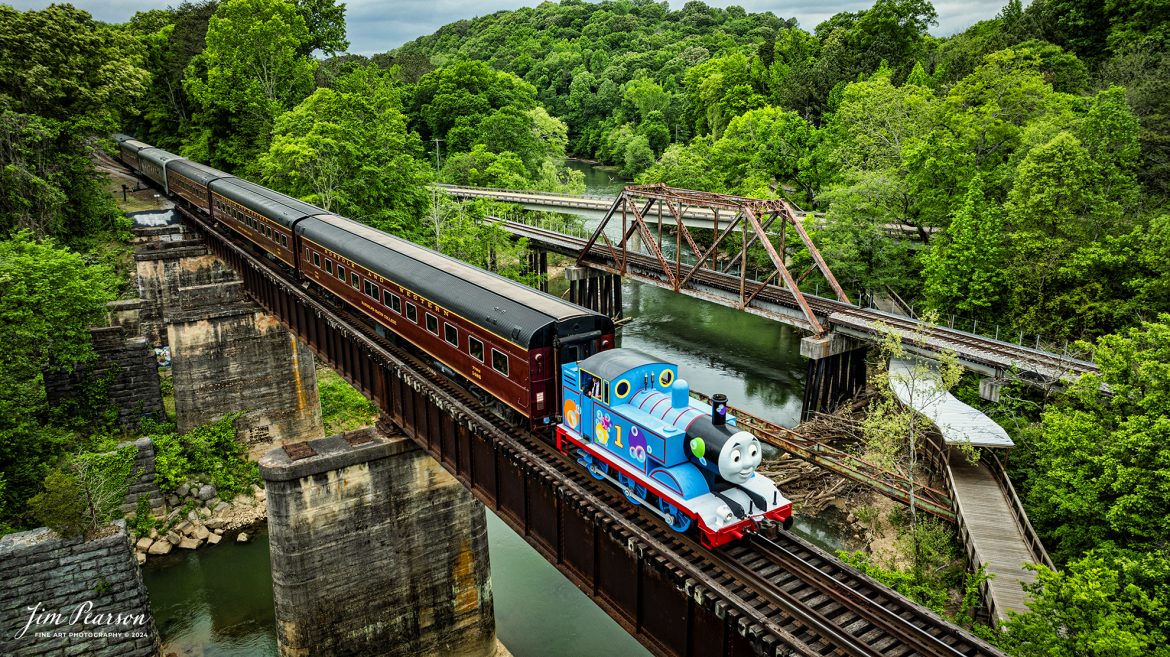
(198, 518)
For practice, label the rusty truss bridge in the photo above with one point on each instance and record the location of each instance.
(767, 596)
(638, 217)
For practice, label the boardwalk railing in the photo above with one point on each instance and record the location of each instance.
(1031, 537)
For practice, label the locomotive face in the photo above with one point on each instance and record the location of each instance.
(740, 457)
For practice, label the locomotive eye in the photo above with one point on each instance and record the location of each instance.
(735, 456)
(753, 451)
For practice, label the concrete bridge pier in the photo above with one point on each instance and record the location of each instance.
(836, 372)
(596, 290)
(376, 551)
(228, 355)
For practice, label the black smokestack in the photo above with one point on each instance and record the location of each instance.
(718, 409)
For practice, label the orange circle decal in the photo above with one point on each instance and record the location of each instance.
(572, 415)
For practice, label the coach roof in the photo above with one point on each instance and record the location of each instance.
(200, 173)
(500, 305)
(253, 196)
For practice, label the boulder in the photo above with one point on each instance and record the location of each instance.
(161, 547)
(200, 532)
(213, 539)
(192, 516)
(172, 500)
(242, 537)
(206, 492)
(141, 557)
(214, 524)
(182, 491)
(190, 543)
(183, 527)
(217, 531)
(143, 544)
(221, 507)
(153, 533)
(173, 537)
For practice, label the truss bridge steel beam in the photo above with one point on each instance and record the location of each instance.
(753, 217)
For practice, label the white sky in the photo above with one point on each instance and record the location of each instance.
(379, 25)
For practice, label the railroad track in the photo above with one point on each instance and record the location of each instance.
(812, 604)
(865, 320)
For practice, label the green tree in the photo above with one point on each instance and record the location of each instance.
(466, 90)
(1110, 602)
(171, 38)
(964, 270)
(252, 70)
(348, 150)
(1103, 460)
(325, 20)
(64, 81)
(49, 297)
(768, 147)
(894, 431)
(467, 235)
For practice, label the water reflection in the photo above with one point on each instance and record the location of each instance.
(215, 602)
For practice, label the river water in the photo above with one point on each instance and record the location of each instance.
(217, 602)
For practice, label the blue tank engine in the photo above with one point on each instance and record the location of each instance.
(629, 419)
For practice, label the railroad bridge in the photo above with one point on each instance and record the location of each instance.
(628, 243)
(769, 596)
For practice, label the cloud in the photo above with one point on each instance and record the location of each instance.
(376, 26)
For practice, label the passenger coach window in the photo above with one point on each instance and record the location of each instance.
(354, 279)
(371, 289)
(328, 266)
(341, 273)
(432, 324)
(451, 334)
(411, 312)
(500, 362)
(394, 302)
(316, 259)
(475, 348)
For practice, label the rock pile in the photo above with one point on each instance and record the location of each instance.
(199, 517)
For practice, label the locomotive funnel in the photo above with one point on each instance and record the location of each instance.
(718, 409)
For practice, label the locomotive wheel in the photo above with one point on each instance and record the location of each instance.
(680, 522)
(638, 490)
(598, 469)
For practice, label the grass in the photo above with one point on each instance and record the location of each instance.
(342, 407)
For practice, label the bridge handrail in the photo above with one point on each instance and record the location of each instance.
(1031, 536)
(530, 192)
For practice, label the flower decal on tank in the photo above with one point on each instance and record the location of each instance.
(638, 446)
(602, 427)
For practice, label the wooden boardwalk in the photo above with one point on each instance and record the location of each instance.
(992, 537)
